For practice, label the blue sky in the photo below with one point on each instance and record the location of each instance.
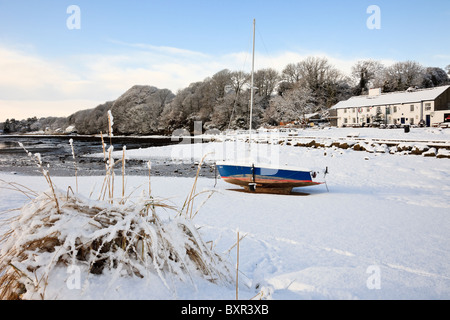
(47, 69)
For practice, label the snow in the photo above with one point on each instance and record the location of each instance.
(381, 232)
(111, 122)
(392, 98)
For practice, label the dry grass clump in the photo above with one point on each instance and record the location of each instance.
(62, 229)
(128, 239)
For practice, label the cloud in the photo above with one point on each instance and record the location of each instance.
(442, 57)
(22, 109)
(161, 49)
(34, 85)
(27, 76)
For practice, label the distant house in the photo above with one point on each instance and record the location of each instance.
(428, 107)
(71, 129)
(307, 118)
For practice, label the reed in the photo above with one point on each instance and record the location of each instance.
(75, 163)
(100, 237)
(187, 209)
(149, 166)
(127, 238)
(38, 161)
(123, 173)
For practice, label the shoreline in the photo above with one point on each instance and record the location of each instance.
(96, 167)
(56, 154)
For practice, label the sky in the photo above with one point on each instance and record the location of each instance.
(56, 59)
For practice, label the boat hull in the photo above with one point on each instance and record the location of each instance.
(264, 177)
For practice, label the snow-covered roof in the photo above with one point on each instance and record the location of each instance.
(311, 115)
(392, 98)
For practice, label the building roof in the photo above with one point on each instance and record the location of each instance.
(392, 98)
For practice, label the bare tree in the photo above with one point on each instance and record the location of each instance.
(403, 75)
(294, 105)
(323, 79)
(237, 80)
(366, 72)
(265, 80)
(291, 73)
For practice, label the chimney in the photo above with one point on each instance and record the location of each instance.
(375, 92)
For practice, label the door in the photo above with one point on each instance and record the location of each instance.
(428, 120)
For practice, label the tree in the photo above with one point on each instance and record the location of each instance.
(219, 82)
(237, 81)
(323, 79)
(403, 75)
(137, 111)
(366, 72)
(289, 77)
(291, 73)
(7, 126)
(434, 77)
(314, 72)
(291, 106)
(265, 80)
(447, 68)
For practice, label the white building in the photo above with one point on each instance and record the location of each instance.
(427, 106)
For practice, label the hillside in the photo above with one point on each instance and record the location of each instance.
(137, 111)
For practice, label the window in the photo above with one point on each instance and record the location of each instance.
(395, 109)
(411, 108)
(427, 106)
(345, 110)
(368, 109)
(345, 120)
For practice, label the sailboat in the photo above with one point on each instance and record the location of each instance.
(257, 177)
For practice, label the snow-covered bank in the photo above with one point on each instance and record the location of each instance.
(381, 232)
(276, 147)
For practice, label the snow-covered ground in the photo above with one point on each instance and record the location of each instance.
(399, 134)
(380, 232)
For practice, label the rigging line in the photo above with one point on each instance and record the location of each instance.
(271, 59)
(247, 52)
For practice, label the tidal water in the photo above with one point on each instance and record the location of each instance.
(56, 155)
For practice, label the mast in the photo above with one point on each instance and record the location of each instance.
(251, 85)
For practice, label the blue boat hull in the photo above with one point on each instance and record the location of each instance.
(263, 177)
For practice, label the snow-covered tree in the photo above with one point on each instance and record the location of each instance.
(403, 75)
(366, 73)
(291, 73)
(322, 78)
(265, 80)
(138, 110)
(219, 83)
(294, 105)
(238, 80)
